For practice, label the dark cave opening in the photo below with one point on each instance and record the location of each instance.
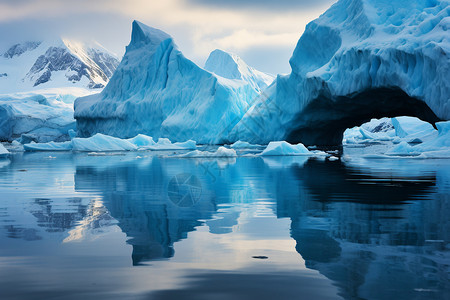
(324, 120)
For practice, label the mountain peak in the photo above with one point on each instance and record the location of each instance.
(19, 49)
(143, 34)
(56, 62)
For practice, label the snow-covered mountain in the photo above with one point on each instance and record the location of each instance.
(55, 64)
(232, 66)
(361, 59)
(39, 82)
(159, 92)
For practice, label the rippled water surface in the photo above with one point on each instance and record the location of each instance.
(139, 226)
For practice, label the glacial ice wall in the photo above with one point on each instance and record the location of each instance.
(360, 59)
(158, 92)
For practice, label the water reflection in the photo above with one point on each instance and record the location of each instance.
(378, 230)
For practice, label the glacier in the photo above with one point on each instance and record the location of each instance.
(158, 92)
(361, 59)
(40, 115)
(41, 80)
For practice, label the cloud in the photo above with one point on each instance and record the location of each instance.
(198, 26)
(279, 5)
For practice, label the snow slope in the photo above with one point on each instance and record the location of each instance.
(55, 64)
(158, 92)
(396, 51)
(232, 66)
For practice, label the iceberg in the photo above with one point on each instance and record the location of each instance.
(221, 152)
(284, 148)
(40, 116)
(142, 140)
(413, 129)
(100, 143)
(104, 143)
(244, 145)
(435, 147)
(403, 149)
(157, 91)
(50, 146)
(3, 150)
(166, 144)
(409, 129)
(361, 59)
(232, 66)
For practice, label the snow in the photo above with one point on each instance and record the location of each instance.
(355, 46)
(221, 152)
(284, 148)
(158, 92)
(3, 150)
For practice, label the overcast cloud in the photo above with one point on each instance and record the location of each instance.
(264, 33)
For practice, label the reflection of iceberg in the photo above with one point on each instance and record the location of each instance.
(140, 199)
(357, 230)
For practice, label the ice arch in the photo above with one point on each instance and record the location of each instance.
(324, 120)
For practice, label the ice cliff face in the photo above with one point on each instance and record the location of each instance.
(59, 63)
(232, 66)
(361, 59)
(158, 92)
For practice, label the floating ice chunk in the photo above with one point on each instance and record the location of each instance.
(166, 144)
(244, 145)
(142, 140)
(333, 158)
(222, 152)
(441, 141)
(413, 128)
(101, 143)
(403, 149)
(438, 147)
(51, 146)
(284, 148)
(3, 150)
(105, 154)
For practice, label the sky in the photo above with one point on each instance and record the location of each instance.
(263, 32)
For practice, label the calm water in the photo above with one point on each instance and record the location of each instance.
(137, 226)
